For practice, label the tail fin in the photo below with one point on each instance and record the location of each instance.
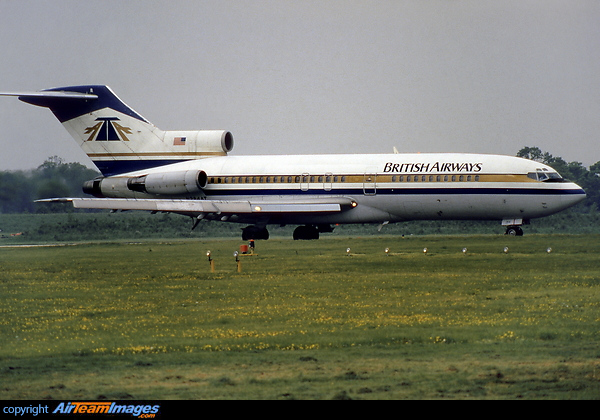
(118, 139)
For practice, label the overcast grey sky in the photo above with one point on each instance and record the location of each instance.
(304, 76)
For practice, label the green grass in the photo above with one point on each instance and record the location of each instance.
(104, 226)
(304, 320)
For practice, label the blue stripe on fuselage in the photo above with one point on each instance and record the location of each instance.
(397, 191)
(116, 167)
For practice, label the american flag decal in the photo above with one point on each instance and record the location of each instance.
(179, 141)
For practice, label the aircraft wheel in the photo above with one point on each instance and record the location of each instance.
(514, 231)
(254, 232)
(306, 233)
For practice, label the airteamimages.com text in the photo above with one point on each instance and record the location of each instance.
(91, 407)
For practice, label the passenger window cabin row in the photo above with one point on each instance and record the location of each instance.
(296, 179)
(434, 178)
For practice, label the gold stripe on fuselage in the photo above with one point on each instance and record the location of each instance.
(361, 179)
(186, 155)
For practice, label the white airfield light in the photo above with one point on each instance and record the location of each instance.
(210, 261)
(237, 261)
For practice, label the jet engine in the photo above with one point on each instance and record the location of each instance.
(166, 183)
(216, 142)
(169, 183)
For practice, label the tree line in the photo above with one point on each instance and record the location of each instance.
(55, 178)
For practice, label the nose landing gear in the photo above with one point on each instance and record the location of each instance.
(514, 231)
(513, 226)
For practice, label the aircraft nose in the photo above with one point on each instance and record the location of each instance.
(577, 196)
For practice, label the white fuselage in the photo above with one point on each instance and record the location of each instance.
(388, 187)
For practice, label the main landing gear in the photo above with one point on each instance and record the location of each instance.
(254, 232)
(309, 232)
(306, 232)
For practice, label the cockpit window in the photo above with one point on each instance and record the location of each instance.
(545, 176)
(554, 177)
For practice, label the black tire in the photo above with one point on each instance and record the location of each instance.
(514, 231)
(253, 232)
(306, 233)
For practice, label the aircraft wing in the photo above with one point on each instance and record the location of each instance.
(312, 205)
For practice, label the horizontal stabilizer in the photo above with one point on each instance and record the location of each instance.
(32, 97)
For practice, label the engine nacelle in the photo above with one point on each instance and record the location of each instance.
(114, 187)
(167, 183)
(93, 187)
(210, 142)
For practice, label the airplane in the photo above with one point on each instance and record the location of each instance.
(190, 173)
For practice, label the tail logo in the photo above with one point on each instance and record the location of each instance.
(107, 129)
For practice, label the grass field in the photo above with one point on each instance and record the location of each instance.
(304, 320)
